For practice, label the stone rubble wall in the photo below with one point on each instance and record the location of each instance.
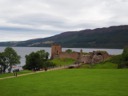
(90, 58)
(73, 55)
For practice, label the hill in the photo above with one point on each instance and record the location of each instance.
(111, 37)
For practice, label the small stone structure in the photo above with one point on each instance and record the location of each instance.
(55, 51)
(90, 58)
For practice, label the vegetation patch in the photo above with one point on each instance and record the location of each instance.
(38, 60)
(63, 61)
(105, 65)
(102, 65)
(8, 58)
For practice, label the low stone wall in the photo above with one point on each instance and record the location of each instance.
(73, 55)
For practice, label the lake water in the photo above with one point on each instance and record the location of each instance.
(22, 51)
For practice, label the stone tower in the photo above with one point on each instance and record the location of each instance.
(55, 51)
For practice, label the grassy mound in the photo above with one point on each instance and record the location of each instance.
(63, 61)
(76, 82)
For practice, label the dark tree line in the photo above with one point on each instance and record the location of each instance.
(124, 59)
(8, 58)
(121, 60)
(38, 60)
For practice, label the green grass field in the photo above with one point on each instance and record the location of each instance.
(68, 82)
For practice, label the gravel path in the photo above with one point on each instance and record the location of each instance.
(58, 68)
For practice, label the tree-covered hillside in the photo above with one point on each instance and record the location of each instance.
(111, 37)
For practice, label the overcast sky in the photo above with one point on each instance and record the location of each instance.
(28, 19)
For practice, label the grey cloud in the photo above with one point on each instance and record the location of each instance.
(26, 30)
(55, 16)
(37, 19)
(42, 19)
(17, 29)
(69, 9)
(45, 19)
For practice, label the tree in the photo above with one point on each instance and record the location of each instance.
(48, 64)
(32, 61)
(3, 62)
(43, 58)
(37, 60)
(121, 60)
(124, 59)
(12, 58)
(125, 54)
(69, 51)
(43, 55)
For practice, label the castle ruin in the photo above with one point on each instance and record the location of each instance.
(89, 58)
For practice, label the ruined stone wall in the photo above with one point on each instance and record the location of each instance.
(97, 59)
(106, 56)
(90, 58)
(55, 50)
(94, 57)
(73, 55)
(86, 59)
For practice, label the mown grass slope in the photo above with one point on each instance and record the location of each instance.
(63, 61)
(74, 82)
(102, 65)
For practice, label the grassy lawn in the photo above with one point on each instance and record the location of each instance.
(63, 61)
(11, 74)
(70, 82)
(102, 65)
(105, 65)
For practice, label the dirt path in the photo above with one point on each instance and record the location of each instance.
(58, 68)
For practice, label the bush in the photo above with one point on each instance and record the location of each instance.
(116, 59)
(69, 51)
(124, 59)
